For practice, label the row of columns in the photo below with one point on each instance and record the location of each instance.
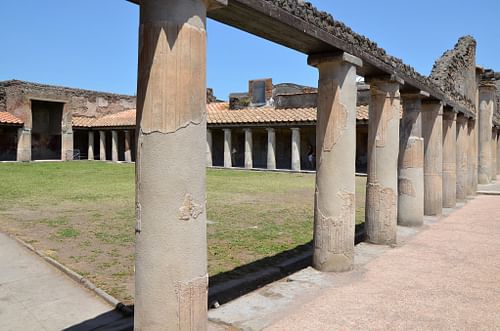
(171, 248)
(114, 146)
(248, 154)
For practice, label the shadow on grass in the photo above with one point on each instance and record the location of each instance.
(225, 286)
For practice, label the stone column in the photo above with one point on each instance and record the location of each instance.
(102, 145)
(449, 159)
(295, 149)
(432, 132)
(383, 149)
(334, 201)
(271, 149)
(471, 154)
(248, 149)
(498, 152)
(128, 152)
(23, 145)
(462, 158)
(494, 154)
(209, 148)
(67, 145)
(114, 146)
(228, 162)
(411, 162)
(486, 107)
(90, 152)
(171, 279)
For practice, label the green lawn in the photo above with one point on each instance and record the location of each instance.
(82, 214)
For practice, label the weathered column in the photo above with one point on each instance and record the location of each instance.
(271, 149)
(23, 145)
(432, 132)
(449, 158)
(471, 154)
(462, 158)
(128, 152)
(383, 149)
(335, 208)
(295, 149)
(494, 154)
(102, 145)
(486, 107)
(114, 146)
(209, 148)
(228, 162)
(171, 249)
(248, 149)
(411, 162)
(498, 152)
(90, 152)
(67, 145)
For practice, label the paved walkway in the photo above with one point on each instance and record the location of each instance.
(36, 296)
(446, 278)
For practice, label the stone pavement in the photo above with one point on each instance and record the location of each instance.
(446, 278)
(36, 296)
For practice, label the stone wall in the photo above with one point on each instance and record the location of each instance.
(3, 100)
(455, 71)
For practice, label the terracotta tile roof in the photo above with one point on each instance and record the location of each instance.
(8, 118)
(217, 113)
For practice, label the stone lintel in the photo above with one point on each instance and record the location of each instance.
(385, 77)
(315, 59)
(215, 4)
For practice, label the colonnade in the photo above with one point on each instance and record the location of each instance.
(114, 145)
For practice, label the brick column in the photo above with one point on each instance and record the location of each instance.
(271, 148)
(295, 149)
(114, 146)
(171, 279)
(432, 132)
(334, 207)
(248, 149)
(383, 149)
(228, 162)
(486, 107)
(90, 153)
(449, 158)
(411, 162)
(128, 152)
(461, 158)
(102, 145)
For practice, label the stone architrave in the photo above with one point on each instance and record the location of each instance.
(411, 162)
(449, 159)
(24, 145)
(432, 132)
(171, 279)
(462, 158)
(209, 148)
(114, 146)
(295, 149)
(102, 145)
(90, 153)
(248, 148)
(271, 148)
(383, 148)
(228, 161)
(128, 152)
(486, 108)
(494, 154)
(335, 209)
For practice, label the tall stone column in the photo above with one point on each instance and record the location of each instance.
(271, 149)
(411, 162)
(228, 162)
(171, 251)
(383, 149)
(449, 159)
(24, 145)
(471, 151)
(498, 152)
(432, 132)
(114, 146)
(67, 145)
(462, 158)
(334, 207)
(248, 149)
(209, 148)
(486, 108)
(102, 145)
(90, 153)
(494, 154)
(128, 152)
(295, 149)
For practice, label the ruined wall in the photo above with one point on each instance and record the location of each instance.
(455, 72)
(3, 100)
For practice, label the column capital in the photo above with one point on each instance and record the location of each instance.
(270, 129)
(295, 129)
(415, 95)
(227, 129)
(384, 78)
(487, 85)
(316, 59)
(247, 129)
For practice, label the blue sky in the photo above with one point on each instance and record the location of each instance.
(92, 44)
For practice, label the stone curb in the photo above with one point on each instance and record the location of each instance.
(122, 308)
(488, 192)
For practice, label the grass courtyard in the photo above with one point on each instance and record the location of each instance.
(82, 214)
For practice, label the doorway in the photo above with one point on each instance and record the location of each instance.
(46, 130)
